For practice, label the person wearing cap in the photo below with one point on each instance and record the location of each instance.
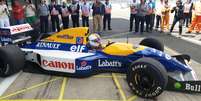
(98, 12)
(4, 15)
(107, 15)
(196, 22)
(74, 9)
(54, 9)
(85, 8)
(133, 11)
(179, 16)
(65, 13)
(43, 12)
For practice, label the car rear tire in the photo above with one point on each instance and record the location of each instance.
(147, 77)
(153, 43)
(12, 60)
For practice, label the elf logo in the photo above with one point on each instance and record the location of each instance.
(193, 87)
(77, 48)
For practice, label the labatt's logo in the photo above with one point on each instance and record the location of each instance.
(190, 87)
(58, 65)
(48, 45)
(84, 66)
(107, 63)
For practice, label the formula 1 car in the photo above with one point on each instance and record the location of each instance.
(149, 70)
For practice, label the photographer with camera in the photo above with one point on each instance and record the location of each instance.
(179, 16)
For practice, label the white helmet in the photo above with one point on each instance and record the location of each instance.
(94, 40)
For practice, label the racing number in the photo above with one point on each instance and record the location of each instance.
(78, 48)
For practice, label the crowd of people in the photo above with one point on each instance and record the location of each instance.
(142, 12)
(27, 13)
(187, 13)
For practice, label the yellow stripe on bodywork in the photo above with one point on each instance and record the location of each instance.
(122, 49)
(69, 35)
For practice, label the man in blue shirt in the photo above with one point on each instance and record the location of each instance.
(150, 17)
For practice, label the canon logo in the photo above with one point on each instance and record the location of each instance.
(58, 65)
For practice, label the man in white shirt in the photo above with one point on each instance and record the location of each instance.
(187, 11)
(133, 13)
(85, 8)
(4, 13)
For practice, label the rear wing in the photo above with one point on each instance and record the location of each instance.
(15, 34)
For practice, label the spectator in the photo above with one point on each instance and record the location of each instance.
(187, 11)
(107, 15)
(18, 12)
(74, 9)
(133, 12)
(196, 22)
(4, 15)
(98, 11)
(165, 16)
(150, 17)
(54, 12)
(158, 12)
(65, 12)
(85, 8)
(30, 12)
(179, 13)
(140, 16)
(43, 12)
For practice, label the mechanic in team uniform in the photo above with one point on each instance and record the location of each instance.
(54, 9)
(75, 12)
(94, 42)
(179, 16)
(107, 15)
(165, 18)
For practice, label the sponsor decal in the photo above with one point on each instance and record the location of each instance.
(56, 65)
(4, 32)
(193, 87)
(48, 45)
(168, 57)
(79, 40)
(20, 28)
(177, 85)
(65, 36)
(107, 63)
(84, 66)
(156, 92)
(77, 48)
(139, 67)
(6, 39)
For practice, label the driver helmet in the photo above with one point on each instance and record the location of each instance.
(94, 40)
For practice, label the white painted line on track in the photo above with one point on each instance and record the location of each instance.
(6, 82)
(192, 40)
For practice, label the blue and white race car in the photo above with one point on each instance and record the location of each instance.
(149, 70)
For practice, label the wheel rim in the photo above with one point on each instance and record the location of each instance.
(144, 81)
